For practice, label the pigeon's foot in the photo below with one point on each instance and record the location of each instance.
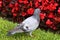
(31, 34)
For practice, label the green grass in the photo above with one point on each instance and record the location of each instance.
(38, 34)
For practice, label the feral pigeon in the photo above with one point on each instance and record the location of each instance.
(28, 25)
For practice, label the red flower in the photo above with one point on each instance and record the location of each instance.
(13, 10)
(59, 10)
(16, 4)
(23, 14)
(7, 0)
(20, 1)
(55, 4)
(42, 15)
(57, 19)
(25, 2)
(31, 3)
(51, 7)
(30, 11)
(48, 22)
(16, 8)
(11, 5)
(50, 15)
(14, 14)
(39, 0)
(36, 4)
(3, 10)
(54, 28)
(47, 0)
(0, 3)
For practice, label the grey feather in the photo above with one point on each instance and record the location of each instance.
(29, 24)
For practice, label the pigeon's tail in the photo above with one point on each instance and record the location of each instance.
(11, 32)
(15, 30)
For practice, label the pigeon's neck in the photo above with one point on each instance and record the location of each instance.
(36, 16)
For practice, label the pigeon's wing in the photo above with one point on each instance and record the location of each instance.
(19, 26)
(31, 23)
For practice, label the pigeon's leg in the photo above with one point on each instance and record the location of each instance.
(31, 34)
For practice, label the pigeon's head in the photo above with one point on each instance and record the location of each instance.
(15, 30)
(37, 11)
(36, 14)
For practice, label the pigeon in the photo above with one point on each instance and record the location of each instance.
(28, 25)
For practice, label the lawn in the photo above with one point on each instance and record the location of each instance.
(38, 34)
